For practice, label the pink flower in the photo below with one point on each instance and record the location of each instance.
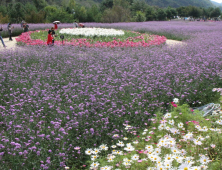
(213, 146)
(140, 160)
(173, 104)
(140, 151)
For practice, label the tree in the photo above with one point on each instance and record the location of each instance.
(161, 14)
(81, 13)
(194, 11)
(116, 14)
(168, 13)
(20, 11)
(40, 4)
(93, 13)
(106, 4)
(122, 3)
(182, 11)
(205, 13)
(122, 13)
(171, 12)
(150, 13)
(138, 6)
(71, 6)
(3, 10)
(16, 12)
(35, 17)
(108, 16)
(29, 8)
(50, 11)
(60, 15)
(215, 13)
(4, 19)
(140, 17)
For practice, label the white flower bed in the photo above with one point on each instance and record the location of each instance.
(92, 32)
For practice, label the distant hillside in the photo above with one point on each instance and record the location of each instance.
(178, 3)
(216, 3)
(166, 3)
(159, 3)
(172, 3)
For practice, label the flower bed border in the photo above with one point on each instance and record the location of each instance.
(156, 40)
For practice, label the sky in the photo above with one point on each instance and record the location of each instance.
(219, 1)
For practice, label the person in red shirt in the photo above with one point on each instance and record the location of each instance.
(49, 39)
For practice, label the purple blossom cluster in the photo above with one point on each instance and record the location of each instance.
(54, 100)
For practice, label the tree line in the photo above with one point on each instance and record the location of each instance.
(109, 11)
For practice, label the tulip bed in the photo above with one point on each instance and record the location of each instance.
(92, 37)
(60, 103)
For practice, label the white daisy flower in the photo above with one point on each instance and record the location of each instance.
(120, 143)
(184, 166)
(167, 115)
(175, 100)
(168, 158)
(129, 148)
(88, 151)
(125, 138)
(135, 157)
(149, 148)
(175, 150)
(96, 151)
(94, 165)
(180, 125)
(171, 122)
(197, 142)
(93, 157)
(127, 160)
(103, 147)
(204, 160)
(135, 142)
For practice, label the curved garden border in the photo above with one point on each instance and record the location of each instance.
(83, 42)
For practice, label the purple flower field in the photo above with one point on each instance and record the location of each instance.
(53, 100)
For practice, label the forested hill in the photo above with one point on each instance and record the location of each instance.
(158, 3)
(179, 3)
(174, 3)
(43, 11)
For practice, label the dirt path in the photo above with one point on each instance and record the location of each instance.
(174, 42)
(11, 45)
